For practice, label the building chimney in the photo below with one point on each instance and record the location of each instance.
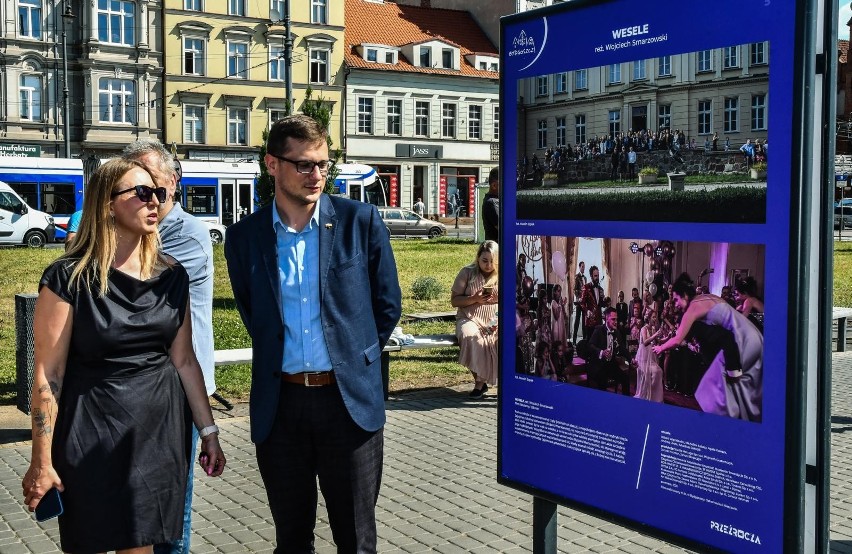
(425, 3)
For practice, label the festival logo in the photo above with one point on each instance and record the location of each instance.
(524, 44)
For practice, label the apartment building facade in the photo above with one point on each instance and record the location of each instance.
(421, 102)
(722, 91)
(225, 71)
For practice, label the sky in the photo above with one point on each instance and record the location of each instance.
(844, 16)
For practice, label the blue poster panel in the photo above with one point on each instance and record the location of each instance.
(645, 235)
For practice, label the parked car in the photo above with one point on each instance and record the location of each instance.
(402, 222)
(846, 202)
(217, 232)
(846, 216)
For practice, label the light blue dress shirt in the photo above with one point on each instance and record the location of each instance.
(298, 278)
(186, 239)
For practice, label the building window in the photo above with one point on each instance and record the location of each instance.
(542, 133)
(277, 63)
(447, 58)
(275, 115)
(193, 56)
(319, 12)
(562, 82)
(474, 122)
(494, 66)
(237, 125)
(237, 7)
(496, 122)
(758, 53)
(238, 60)
(732, 115)
(117, 100)
(425, 56)
(421, 119)
(390, 57)
(30, 92)
(581, 80)
(276, 10)
(705, 60)
(639, 70)
(614, 73)
(664, 64)
(116, 22)
(541, 86)
(394, 116)
(664, 116)
(448, 121)
(614, 122)
(758, 112)
(372, 55)
(193, 124)
(319, 66)
(580, 129)
(731, 57)
(29, 18)
(561, 137)
(705, 117)
(483, 66)
(192, 5)
(365, 115)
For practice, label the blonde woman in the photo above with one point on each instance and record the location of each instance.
(116, 383)
(475, 294)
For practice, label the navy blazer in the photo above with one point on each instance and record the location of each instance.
(360, 305)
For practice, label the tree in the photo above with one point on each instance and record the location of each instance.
(264, 188)
(321, 111)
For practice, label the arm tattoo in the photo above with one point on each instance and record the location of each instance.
(42, 417)
(42, 423)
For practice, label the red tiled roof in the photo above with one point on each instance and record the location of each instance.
(843, 48)
(397, 25)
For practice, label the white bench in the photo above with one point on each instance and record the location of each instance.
(841, 315)
(421, 342)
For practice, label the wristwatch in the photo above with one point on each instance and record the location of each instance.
(209, 430)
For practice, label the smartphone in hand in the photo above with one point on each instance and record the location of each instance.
(50, 506)
(487, 291)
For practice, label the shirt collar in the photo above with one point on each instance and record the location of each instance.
(313, 223)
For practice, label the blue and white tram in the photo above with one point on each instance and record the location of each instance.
(218, 192)
(50, 185)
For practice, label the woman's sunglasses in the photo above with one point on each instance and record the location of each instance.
(145, 193)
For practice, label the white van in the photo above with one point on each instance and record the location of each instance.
(20, 224)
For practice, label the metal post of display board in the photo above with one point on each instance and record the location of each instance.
(544, 526)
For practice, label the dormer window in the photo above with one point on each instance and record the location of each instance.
(447, 58)
(378, 53)
(425, 56)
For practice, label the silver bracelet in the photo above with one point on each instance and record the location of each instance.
(209, 430)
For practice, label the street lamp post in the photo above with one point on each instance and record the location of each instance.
(67, 19)
(288, 58)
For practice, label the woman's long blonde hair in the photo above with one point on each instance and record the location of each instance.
(492, 248)
(94, 246)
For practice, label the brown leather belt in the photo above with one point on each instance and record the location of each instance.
(310, 379)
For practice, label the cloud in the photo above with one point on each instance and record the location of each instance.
(844, 15)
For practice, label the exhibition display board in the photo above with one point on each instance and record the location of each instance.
(677, 416)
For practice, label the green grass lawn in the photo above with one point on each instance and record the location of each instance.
(20, 270)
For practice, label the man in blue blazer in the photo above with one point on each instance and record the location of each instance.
(316, 285)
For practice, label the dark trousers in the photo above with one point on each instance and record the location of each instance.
(314, 437)
(579, 316)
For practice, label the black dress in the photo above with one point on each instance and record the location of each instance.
(122, 436)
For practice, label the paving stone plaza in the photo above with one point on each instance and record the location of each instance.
(439, 491)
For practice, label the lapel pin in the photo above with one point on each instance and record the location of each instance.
(328, 225)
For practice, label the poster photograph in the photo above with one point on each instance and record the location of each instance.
(678, 137)
(594, 312)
